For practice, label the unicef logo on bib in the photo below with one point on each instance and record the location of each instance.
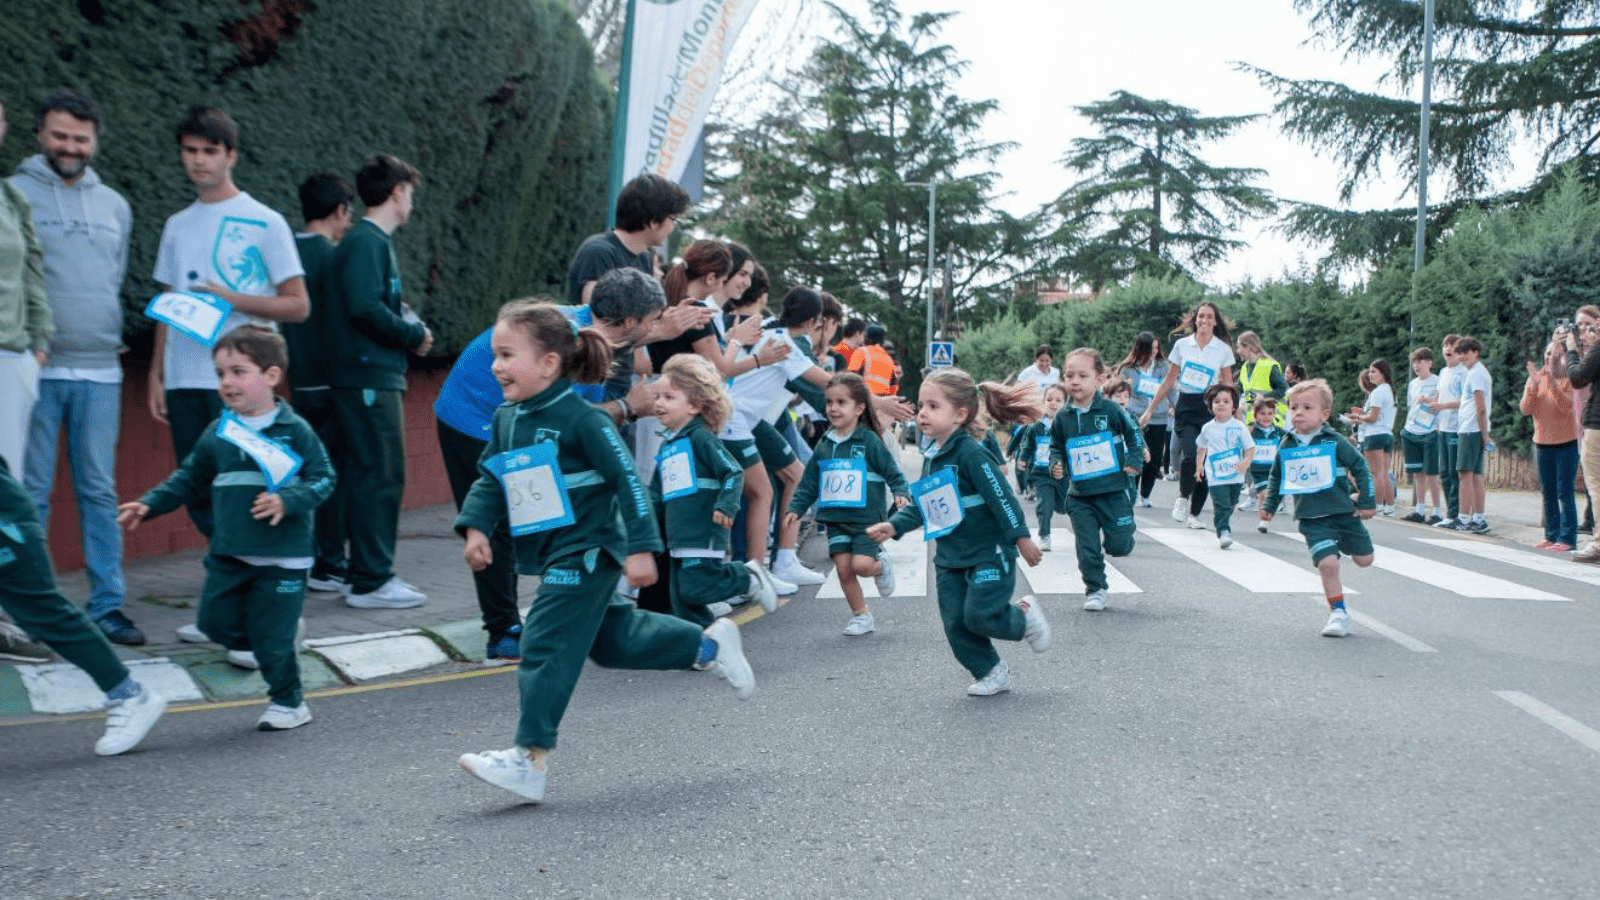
(536, 493)
(1307, 470)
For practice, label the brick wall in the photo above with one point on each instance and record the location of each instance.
(144, 458)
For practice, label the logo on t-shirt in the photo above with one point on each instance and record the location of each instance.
(237, 258)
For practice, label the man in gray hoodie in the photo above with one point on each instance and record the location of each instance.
(83, 227)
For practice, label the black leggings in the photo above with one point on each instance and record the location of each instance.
(1190, 417)
(1155, 440)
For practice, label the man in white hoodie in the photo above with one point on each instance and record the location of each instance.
(83, 227)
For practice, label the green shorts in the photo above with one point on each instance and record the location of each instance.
(851, 538)
(743, 450)
(1469, 452)
(773, 447)
(1384, 442)
(1332, 535)
(1422, 453)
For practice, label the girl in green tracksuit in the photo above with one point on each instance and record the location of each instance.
(963, 500)
(1032, 445)
(850, 478)
(1094, 446)
(556, 469)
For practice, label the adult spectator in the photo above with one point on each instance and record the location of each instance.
(647, 211)
(370, 331)
(851, 336)
(26, 326)
(1585, 321)
(873, 363)
(1260, 375)
(325, 201)
(1144, 369)
(83, 227)
(1201, 358)
(1582, 345)
(1547, 399)
(1041, 374)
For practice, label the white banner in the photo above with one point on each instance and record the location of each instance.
(678, 49)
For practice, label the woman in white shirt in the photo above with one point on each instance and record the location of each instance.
(1375, 431)
(1203, 358)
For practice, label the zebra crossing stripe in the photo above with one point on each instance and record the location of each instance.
(1245, 566)
(909, 556)
(1553, 717)
(1548, 565)
(1446, 577)
(1057, 573)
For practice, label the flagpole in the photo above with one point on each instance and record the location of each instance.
(619, 125)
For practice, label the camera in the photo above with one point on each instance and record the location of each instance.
(1563, 326)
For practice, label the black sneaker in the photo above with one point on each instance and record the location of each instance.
(1432, 520)
(1414, 517)
(119, 630)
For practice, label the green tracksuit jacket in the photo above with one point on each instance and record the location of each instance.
(719, 483)
(883, 476)
(366, 337)
(992, 518)
(1101, 415)
(1334, 501)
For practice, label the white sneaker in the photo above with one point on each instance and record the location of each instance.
(1044, 544)
(1225, 539)
(1261, 526)
(1248, 503)
(1338, 624)
(511, 769)
(392, 594)
(1144, 502)
(1095, 602)
(797, 574)
(1037, 630)
(719, 609)
(1196, 524)
(859, 625)
(993, 683)
(333, 584)
(1445, 523)
(780, 586)
(730, 664)
(1180, 509)
(884, 580)
(191, 634)
(129, 721)
(283, 718)
(243, 659)
(1387, 512)
(762, 589)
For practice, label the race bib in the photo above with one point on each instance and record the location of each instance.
(1222, 467)
(675, 468)
(939, 502)
(1266, 452)
(277, 463)
(1091, 456)
(1424, 418)
(192, 313)
(1307, 470)
(1147, 386)
(1196, 377)
(536, 497)
(1041, 452)
(843, 484)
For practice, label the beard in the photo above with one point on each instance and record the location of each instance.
(68, 166)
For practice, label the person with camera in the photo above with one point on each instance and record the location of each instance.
(1579, 340)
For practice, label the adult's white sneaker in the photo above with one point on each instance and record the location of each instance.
(512, 770)
(762, 589)
(392, 594)
(333, 584)
(797, 574)
(1338, 624)
(860, 624)
(730, 664)
(997, 681)
(884, 580)
(129, 721)
(1180, 509)
(1196, 524)
(283, 718)
(781, 587)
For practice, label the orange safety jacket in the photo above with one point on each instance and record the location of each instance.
(876, 366)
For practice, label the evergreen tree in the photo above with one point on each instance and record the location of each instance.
(1146, 202)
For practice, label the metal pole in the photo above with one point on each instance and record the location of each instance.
(933, 201)
(1422, 158)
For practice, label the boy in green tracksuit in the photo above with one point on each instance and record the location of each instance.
(1321, 470)
(1094, 446)
(1031, 445)
(370, 331)
(264, 471)
(699, 484)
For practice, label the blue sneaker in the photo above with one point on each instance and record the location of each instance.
(505, 649)
(120, 630)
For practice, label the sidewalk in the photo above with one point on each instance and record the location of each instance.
(354, 646)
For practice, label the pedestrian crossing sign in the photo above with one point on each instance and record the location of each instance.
(941, 354)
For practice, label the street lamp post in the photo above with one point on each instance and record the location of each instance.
(933, 203)
(1422, 160)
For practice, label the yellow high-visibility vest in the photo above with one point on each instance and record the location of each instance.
(1257, 382)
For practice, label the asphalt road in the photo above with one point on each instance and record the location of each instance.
(1198, 739)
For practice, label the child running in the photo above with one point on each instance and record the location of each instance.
(555, 466)
(1119, 391)
(1266, 436)
(699, 484)
(1032, 445)
(963, 500)
(1226, 450)
(1094, 445)
(264, 471)
(847, 478)
(1316, 466)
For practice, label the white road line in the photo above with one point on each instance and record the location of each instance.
(1251, 569)
(1058, 573)
(1556, 719)
(1393, 634)
(909, 556)
(1444, 576)
(1549, 565)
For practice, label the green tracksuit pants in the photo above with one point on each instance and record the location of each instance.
(1224, 498)
(1052, 496)
(698, 581)
(29, 595)
(1101, 524)
(257, 608)
(975, 606)
(373, 471)
(576, 614)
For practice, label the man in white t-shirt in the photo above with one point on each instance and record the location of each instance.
(1041, 374)
(229, 245)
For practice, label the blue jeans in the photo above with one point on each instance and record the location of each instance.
(92, 413)
(1558, 471)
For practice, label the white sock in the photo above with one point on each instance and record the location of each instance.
(1421, 510)
(786, 558)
